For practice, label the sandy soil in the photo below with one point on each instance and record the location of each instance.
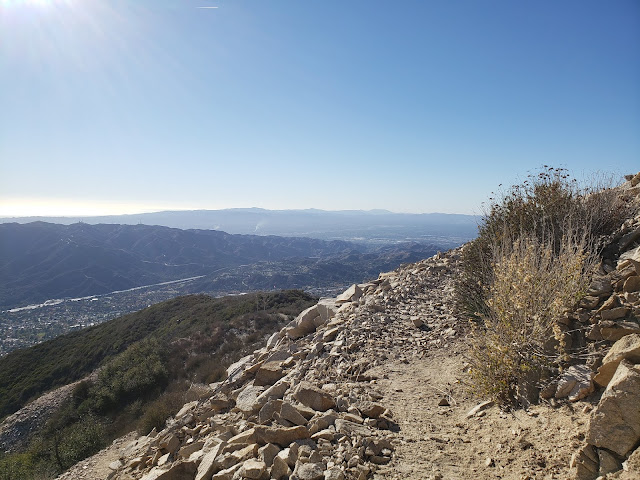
(441, 442)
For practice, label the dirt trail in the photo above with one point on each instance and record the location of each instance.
(97, 466)
(441, 442)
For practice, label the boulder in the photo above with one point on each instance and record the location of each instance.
(177, 471)
(327, 308)
(186, 408)
(289, 413)
(631, 284)
(589, 302)
(330, 335)
(633, 254)
(325, 434)
(238, 456)
(615, 313)
(608, 462)
(290, 455)
(170, 443)
(252, 468)
(276, 391)
(227, 473)
(575, 383)
(334, 473)
(303, 324)
(351, 428)
(309, 471)
(354, 292)
(235, 371)
(614, 331)
(370, 409)
(247, 400)
(267, 453)
(314, 397)
(615, 423)
(600, 287)
(280, 469)
(188, 449)
(219, 402)
(248, 436)
(208, 464)
(628, 347)
(267, 412)
(273, 340)
(586, 463)
(631, 468)
(629, 238)
(268, 374)
(282, 436)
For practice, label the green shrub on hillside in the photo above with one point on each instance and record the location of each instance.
(203, 321)
(17, 467)
(157, 413)
(138, 372)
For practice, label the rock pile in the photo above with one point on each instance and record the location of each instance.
(305, 406)
(610, 314)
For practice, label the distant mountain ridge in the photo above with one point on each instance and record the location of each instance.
(343, 224)
(41, 261)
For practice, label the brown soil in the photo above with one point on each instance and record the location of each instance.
(441, 442)
(97, 466)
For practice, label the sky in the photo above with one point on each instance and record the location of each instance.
(124, 106)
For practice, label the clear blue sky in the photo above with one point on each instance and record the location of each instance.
(413, 106)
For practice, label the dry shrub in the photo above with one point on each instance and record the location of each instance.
(529, 265)
(534, 282)
(157, 413)
(545, 206)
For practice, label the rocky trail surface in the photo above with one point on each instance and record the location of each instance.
(368, 385)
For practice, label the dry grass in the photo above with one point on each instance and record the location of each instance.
(518, 337)
(531, 263)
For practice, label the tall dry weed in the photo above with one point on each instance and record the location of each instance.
(534, 282)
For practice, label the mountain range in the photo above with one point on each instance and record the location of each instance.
(42, 261)
(371, 225)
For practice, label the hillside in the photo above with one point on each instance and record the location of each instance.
(211, 324)
(41, 261)
(390, 367)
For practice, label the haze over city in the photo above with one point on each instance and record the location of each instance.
(417, 106)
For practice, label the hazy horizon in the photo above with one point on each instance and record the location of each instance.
(150, 212)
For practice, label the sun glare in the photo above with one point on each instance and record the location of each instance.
(36, 3)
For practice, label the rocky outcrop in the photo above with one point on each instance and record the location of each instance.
(610, 316)
(628, 348)
(615, 423)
